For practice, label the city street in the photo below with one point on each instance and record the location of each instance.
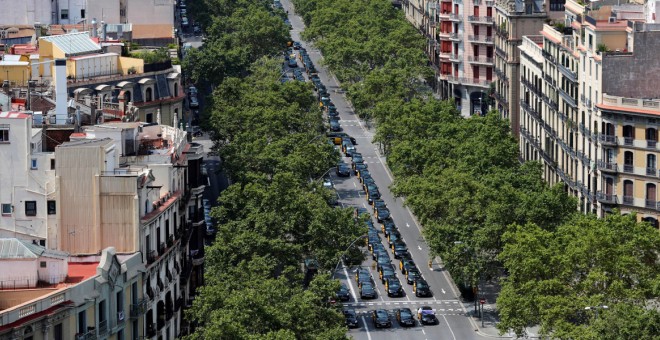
(451, 313)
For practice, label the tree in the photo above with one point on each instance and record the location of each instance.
(554, 275)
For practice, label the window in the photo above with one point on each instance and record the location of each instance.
(33, 164)
(82, 13)
(650, 161)
(120, 305)
(650, 192)
(52, 208)
(176, 89)
(628, 191)
(6, 209)
(30, 208)
(4, 133)
(42, 264)
(52, 164)
(149, 94)
(58, 332)
(82, 322)
(64, 14)
(476, 11)
(150, 117)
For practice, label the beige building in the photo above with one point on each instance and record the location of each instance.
(588, 107)
(513, 21)
(136, 187)
(99, 298)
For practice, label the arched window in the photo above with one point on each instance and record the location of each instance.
(651, 162)
(628, 162)
(148, 94)
(628, 192)
(652, 221)
(628, 134)
(127, 97)
(651, 201)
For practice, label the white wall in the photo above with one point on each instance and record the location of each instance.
(55, 271)
(20, 183)
(150, 12)
(19, 272)
(105, 10)
(103, 64)
(25, 12)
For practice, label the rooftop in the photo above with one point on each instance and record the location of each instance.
(14, 115)
(73, 44)
(13, 248)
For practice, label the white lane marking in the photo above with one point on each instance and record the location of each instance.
(350, 284)
(354, 185)
(447, 322)
(366, 327)
(443, 291)
(423, 331)
(364, 205)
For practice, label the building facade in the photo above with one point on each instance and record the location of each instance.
(460, 47)
(27, 181)
(587, 107)
(97, 300)
(513, 20)
(129, 185)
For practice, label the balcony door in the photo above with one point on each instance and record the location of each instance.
(609, 186)
(650, 192)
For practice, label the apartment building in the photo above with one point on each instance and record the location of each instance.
(27, 181)
(128, 185)
(152, 20)
(460, 47)
(513, 21)
(85, 298)
(588, 107)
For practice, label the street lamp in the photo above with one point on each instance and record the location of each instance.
(315, 138)
(325, 173)
(344, 252)
(596, 308)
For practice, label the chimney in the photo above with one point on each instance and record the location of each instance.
(61, 110)
(104, 31)
(37, 29)
(95, 32)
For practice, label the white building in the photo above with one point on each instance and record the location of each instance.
(27, 181)
(26, 12)
(25, 263)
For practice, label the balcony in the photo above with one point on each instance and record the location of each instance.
(567, 98)
(629, 200)
(551, 102)
(500, 74)
(606, 198)
(651, 204)
(531, 87)
(500, 98)
(481, 19)
(89, 335)
(121, 318)
(455, 37)
(607, 139)
(480, 39)
(151, 330)
(455, 58)
(629, 141)
(651, 172)
(444, 35)
(480, 60)
(138, 309)
(628, 168)
(501, 53)
(103, 327)
(501, 32)
(490, 3)
(583, 129)
(607, 166)
(469, 81)
(651, 144)
(549, 56)
(530, 110)
(572, 76)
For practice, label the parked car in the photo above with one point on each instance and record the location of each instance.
(351, 318)
(405, 317)
(343, 294)
(367, 291)
(426, 315)
(421, 288)
(381, 318)
(393, 287)
(343, 170)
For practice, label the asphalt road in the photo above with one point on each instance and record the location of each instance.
(452, 314)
